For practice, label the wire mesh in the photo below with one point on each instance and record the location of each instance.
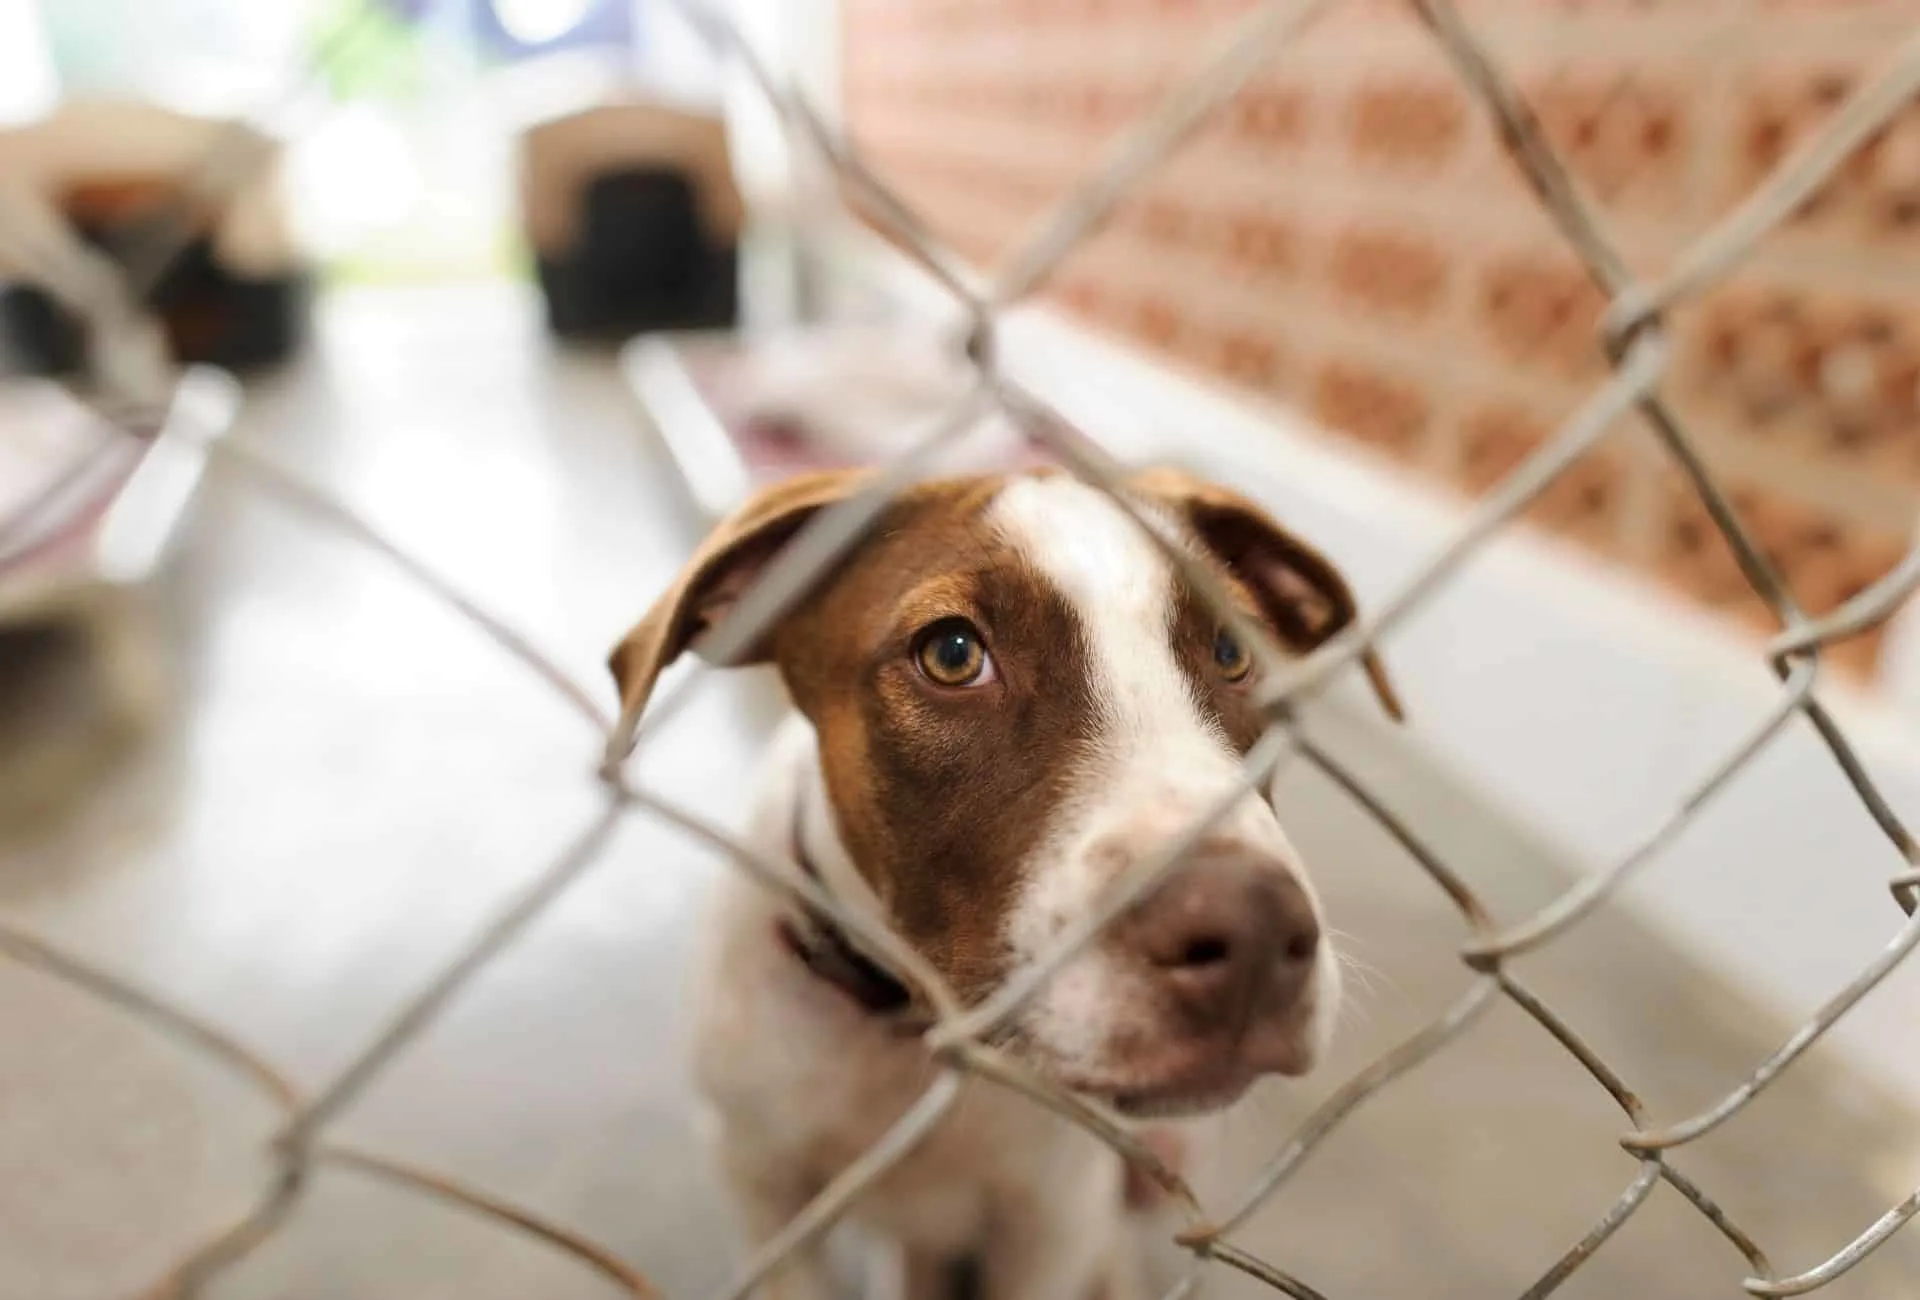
(958, 1039)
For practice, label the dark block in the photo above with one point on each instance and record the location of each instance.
(642, 262)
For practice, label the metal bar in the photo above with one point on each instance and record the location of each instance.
(322, 505)
(800, 119)
(1645, 360)
(421, 1009)
(1598, 886)
(1789, 185)
(801, 564)
(599, 1258)
(1622, 1210)
(1139, 877)
(1252, 42)
(1444, 1029)
(1769, 1070)
(188, 1030)
(874, 1163)
(1844, 1259)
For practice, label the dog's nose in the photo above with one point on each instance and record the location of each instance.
(1229, 937)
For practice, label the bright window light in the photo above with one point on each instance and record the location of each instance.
(535, 22)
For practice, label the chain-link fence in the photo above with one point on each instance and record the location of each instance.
(1635, 342)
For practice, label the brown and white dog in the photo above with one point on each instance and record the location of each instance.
(1004, 696)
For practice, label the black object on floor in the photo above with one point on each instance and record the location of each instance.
(211, 315)
(642, 261)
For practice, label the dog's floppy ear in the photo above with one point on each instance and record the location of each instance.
(720, 572)
(1300, 591)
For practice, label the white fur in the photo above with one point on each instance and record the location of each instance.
(1160, 765)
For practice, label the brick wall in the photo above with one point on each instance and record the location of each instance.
(1348, 238)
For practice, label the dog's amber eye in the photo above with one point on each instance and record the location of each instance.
(1232, 657)
(951, 653)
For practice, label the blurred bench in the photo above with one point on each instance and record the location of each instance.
(129, 178)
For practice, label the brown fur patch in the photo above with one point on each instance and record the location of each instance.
(941, 792)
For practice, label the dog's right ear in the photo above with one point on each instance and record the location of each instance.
(721, 570)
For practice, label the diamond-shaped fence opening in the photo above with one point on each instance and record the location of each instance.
(106, 295)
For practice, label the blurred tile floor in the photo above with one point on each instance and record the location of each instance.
(348, 781)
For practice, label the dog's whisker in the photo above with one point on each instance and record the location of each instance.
(1360, 979)
(1360, 972)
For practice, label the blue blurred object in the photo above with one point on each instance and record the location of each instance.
(407, 11)
(514, 29)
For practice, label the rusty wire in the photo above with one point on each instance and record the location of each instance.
(958, 1040)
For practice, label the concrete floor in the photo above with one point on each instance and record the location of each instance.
(351, 780)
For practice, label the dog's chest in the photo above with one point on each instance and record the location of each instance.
(793, 1056)
(805, 1081)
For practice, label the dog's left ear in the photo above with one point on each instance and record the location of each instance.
(721, 570)
(1301, 593)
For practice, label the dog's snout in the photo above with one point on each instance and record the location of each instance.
(1227, 937)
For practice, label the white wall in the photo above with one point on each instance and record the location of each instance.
(28, 83)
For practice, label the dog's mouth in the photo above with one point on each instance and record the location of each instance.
(1187, 1084)
(1183, 1094)
(1178, 1102)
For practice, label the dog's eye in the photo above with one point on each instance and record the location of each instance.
(1232, 657)
(951, 653)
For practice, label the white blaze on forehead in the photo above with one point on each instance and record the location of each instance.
(1120, 587)
(1158, 762)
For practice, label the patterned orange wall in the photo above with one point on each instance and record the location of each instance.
(1347, 237)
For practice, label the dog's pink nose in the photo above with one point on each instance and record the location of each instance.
(1229, 937)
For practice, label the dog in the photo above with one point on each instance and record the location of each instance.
(1002, 698)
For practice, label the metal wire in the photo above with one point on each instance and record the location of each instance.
(958, 1038)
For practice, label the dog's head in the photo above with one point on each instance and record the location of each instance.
(1017, 696)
